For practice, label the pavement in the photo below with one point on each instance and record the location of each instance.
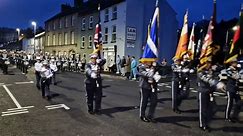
(25, 113)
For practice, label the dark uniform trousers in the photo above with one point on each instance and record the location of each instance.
(231, 96)
(94, 93)
(176, 93)
(205, 89)
(204, 107)
(147, 94)
(45, 87)
(38, 77)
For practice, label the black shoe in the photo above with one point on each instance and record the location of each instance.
(144, 119)
(48, 98)
(55, 83)
(98, 112)
(206, 129)
(177, 111)
(91, 112)
(151, 120)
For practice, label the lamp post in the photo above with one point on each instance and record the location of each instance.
(18, 31)
(33, 23)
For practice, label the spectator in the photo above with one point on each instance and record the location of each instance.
(134, 68)
(164, 62)
(123, 62)
(118, 65)
(128, 67)
(83, 62)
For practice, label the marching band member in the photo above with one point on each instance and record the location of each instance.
(54, 69)
(232, 91)
(38, 66)
(148, 84)
(46, 75)
(93, 83)
(207, 84)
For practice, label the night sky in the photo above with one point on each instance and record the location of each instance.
(19, 13)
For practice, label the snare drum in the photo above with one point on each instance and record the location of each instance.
(26, 63)
(7, 62)
(58, 63)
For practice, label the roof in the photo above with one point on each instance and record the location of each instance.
(88, 7)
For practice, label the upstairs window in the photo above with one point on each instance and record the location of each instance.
(91, 22)
(114, 13)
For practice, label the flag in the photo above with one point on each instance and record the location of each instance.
(191, 45)
(98, 39)
(182, 45)
(150, 51)
(207, 50)
(237, 41)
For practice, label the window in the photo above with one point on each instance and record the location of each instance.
(114, 13)
(60, 23)
(90, 41)
(90, 22)
(83, 24)
(106, 35)
(72, 37)
(48, 40)
(65, 38)
(66, 22)
(59, 39)
(72, 20)
(54, 39)
(54, 25)
(106, 15)
(113, 34)
(83, 42)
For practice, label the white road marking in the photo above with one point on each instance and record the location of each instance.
(12, 97)
(15, 113)
(50, 107)
(27, 107)
(19, 110)
(30, 82)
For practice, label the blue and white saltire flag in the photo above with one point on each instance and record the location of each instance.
(150, 51)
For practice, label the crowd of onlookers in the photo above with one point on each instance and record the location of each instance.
(127, 66)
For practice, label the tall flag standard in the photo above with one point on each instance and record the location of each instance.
(191, 45)
(207, 50)
(98, 39)
(182, 45)
(237, 40)
(150, 51)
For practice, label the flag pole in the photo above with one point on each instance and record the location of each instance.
(158, 26)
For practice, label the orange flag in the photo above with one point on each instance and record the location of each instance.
(182, 45)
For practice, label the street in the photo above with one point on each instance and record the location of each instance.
(66, 114)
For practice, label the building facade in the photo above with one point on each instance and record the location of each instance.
(124, 28)
(39, 42)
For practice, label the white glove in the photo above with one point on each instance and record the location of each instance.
(157, 77)
(185, 70)
(98, 61)
(191, 71)
(221, 86)
(93, 75)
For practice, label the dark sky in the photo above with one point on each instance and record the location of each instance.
(19, 13)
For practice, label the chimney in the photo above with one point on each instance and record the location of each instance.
(65, 8)
(78, 3)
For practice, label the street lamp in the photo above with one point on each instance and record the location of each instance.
(34, 24)
(18, 31)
